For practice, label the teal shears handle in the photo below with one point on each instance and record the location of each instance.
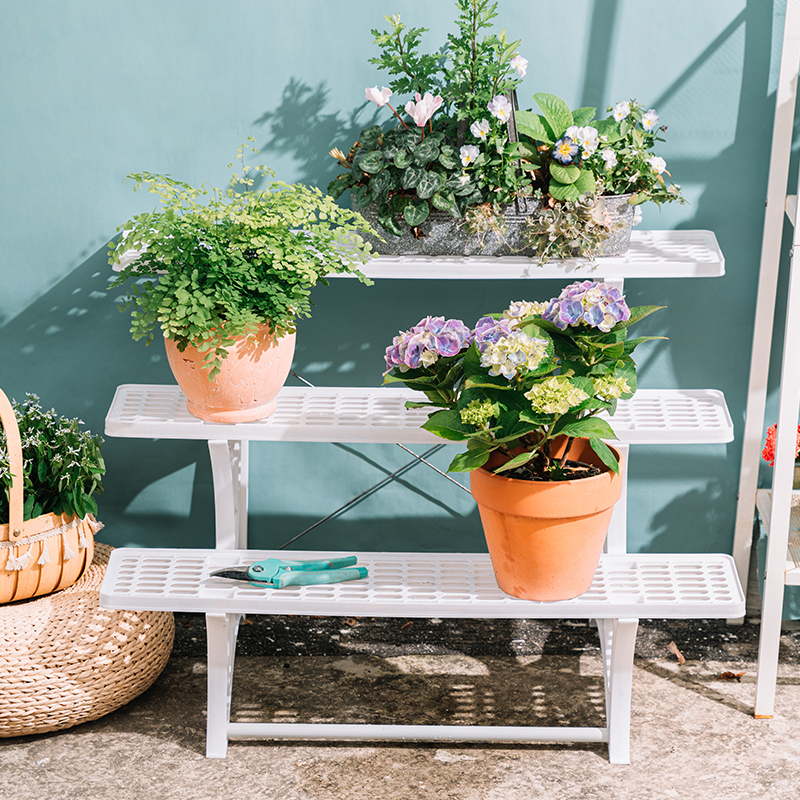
(303, 578)
(279, 573)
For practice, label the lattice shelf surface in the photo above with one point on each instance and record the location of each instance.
(324, 414)
(652, 254)
(460, 585)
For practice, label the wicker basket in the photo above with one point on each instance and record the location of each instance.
(64, 660)
(43, 554)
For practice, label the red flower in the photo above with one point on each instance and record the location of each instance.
(768, 453)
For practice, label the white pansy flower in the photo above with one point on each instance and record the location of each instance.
(621, 110)
(520, 64)
(468, 154)
(588, 139)
(500, 107)
(610, 157)
(480, 130)
(657, 163)
(650, 120)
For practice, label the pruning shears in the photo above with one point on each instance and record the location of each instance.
(277, 573)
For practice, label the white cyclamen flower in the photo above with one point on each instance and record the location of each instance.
(610, 157)
(500, 107)
(650, 120)
(520, 64)
(480, 130)
(380, 98)
(657, 163)
(621, 110)
(468, 154)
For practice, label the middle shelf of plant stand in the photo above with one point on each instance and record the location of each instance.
(378, 415)
(652, 254)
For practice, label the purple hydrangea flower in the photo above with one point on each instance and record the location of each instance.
(489, 330)
(590, 303)
(422, 346)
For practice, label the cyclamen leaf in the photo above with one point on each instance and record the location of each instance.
(402, 159)
(444, 200)
(411, 177)
(430, 183)
(416, 212)
(426, 152)
(389, 223)
(448, 157)
(361, 196)
(372, 163)
(368, 138)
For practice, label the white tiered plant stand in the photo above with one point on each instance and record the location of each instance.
(626, 587)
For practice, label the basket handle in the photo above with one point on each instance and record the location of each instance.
(15, 499)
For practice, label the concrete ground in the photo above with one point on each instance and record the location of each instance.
(693, 732)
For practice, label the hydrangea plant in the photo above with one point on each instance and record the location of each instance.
(61, 462)
(517, 380)
(451, 149)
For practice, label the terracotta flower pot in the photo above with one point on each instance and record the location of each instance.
(248, 383)
(545, 537)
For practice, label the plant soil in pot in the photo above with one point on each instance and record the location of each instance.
(545, 537)
(247, 385)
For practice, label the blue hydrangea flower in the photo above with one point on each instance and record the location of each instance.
(489, 330)
(590, 303)
(422, 346)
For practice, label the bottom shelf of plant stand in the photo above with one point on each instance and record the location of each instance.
(456, 585)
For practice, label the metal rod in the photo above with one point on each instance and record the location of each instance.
(434, 468)
(402, 446)
(378, 485)
(355, 499)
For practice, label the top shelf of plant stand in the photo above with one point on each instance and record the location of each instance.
(652, 254)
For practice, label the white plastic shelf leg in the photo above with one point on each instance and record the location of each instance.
(221, 630)
(617, 641)
(230, 471)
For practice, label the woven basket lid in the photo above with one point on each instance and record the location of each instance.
(64, 660)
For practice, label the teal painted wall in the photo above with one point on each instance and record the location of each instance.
(93, 90)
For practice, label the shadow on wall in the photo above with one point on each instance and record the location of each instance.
(72, 347)
(709, 321)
